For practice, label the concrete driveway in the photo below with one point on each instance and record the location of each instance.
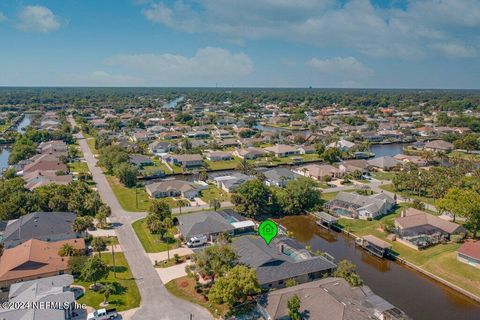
(174, 272)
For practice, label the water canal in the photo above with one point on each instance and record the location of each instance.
(5, 150)
(419, 296)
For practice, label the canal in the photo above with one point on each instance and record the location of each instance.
(5, 150)
(419, 296)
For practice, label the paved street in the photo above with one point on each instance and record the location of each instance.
(157, 302)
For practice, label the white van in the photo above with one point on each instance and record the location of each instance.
(197, 241)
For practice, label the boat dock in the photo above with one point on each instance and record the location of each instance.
(324, 219)
(374, 245)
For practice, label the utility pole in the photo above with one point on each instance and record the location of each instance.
(136, 196)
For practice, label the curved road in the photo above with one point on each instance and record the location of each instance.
(157, 303)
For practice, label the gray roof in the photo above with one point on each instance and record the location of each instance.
(40, 224)
(139, 159)
(327, 299)
(278, 174)
(273, 265)
(385, 162)
(202, 223)
(371, 203)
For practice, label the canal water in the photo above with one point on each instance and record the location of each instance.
(419, 296)
(5, 150)
(392, 149)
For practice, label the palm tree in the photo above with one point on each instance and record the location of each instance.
(244, 167)
(67, 250)
(215, 204)
(182, 203)
(98, 245)
(107, 289)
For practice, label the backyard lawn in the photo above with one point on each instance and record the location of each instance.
(157, 166)
(390, 188)
(383, 175)
(214, 193)
(91, 145)
(184, 288)
(151, 242)
(222, 165)
(327, 196)
(127, 295)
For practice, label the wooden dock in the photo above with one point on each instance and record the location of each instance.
(374, 245)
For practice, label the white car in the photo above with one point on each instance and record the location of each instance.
(103, 314)
(197, 241)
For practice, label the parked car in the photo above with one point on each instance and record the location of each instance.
(103, 314)
(197, 241)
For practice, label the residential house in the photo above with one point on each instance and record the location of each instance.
(45, 226)
(350, 166)
(354, 205)
(170, 135)
(329, 299)
(282, 150)
(142, 136)
(213, 223)
(230, 183)
(306, 149)
(342, 144)
(35, 259)
(469, 253)
(54, 147)
(416, 160)
(318, 172)
(419, 229)
(45, 162)
(197, 135)
(40, 178)
(283, 259)
(249, 153)
(172, 188)
(186, 160)
(222, 134)
(218, 156)
(160, 147)
(438, 146)
(279, 177)
(50, 290)
(384, 163)
(140, 161)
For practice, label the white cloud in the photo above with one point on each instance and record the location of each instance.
(348, 67)
(2, 17)
(356, 24)
(455, 50)
(37, 19)
(208, 66)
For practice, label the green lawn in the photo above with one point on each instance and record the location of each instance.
(383, 175)
(389, 187)
(127, 198)
(151, 242)
(127, 296)
(222, 165)
(327, 196)
(176, 169)
(157, 166)
(214, 193)
(184, 288)
(91, 145)
(80, 167)
(439, 259)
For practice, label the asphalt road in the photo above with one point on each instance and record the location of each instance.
(157, 303)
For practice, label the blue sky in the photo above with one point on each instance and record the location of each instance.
(268, 43)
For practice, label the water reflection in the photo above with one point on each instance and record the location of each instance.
(419, 296)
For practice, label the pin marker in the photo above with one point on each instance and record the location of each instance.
(268, 230)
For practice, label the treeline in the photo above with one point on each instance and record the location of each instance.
(77, 197)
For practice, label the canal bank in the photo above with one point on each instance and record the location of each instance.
(5, 149)
(418, 295)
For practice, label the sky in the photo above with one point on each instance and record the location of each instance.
(241, 43)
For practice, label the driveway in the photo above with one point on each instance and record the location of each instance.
(157, 302)
(161, 256)
(174, 272)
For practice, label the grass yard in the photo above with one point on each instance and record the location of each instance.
(157, 166)
(91, 145)
(176, 169)
(80, 167)
(172, 262)
(184, 288)
(389, 187)
(214, 193)
(440, 259)
(383, 175)
(127, 295)
(127, 198)
(327, 196)
(151, 242)
(222, 165)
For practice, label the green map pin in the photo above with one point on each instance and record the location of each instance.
(268, 230)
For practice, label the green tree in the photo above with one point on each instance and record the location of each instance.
(293, 305)
(182, 203)
(464, 203)
(252, 198)
(214, 260)
(215, 204)
(98, 244)
(245, 167)
(67, 250)
(102, 216)
(76, 264)
(127, 174)
(107, 289)
(300, 195)
(94, 270)
(235, 286)
(81, 224)
(153, 223)
(161, 209)
(348, 271)
(332, 155)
